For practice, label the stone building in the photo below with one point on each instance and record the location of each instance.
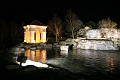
(35, 32)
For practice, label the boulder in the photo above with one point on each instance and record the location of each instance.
(17, 49)
(48, 45)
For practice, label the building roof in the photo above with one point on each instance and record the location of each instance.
(35, 22)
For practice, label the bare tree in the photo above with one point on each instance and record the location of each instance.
(106, 26)
(107, 23)
(55, 26)
(72, 23)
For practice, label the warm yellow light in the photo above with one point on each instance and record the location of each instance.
(111, 65)
(37, 35)
(36, 55)
(28, 27)
(24, 27)
(34, 34)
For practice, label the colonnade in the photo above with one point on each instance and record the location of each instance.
(34, 36)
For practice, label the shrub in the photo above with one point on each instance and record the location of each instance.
(50, 40)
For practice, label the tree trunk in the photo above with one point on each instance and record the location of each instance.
(72, 34)
(56, 38)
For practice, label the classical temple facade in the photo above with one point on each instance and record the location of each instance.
(35, 32)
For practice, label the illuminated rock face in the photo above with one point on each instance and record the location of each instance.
(35, 32)
(94, 34)
(97, 33)
(96, 45)
(95, 39)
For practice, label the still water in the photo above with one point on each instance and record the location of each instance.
(79, 61)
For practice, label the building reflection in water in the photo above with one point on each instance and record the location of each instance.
(36, 55)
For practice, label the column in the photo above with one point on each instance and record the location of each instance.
(32, 37)
(27, 36)
(43, 36)
(37, 36)
(24, 36)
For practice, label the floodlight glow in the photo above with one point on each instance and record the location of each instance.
(37, 64)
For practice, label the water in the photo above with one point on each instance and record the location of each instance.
(88, 62)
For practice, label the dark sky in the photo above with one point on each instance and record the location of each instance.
(43, 10)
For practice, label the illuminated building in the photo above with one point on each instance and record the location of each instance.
(35, 32)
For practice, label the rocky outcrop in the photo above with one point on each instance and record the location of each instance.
(17, 49)
(96, 45)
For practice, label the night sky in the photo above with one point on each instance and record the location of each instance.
(43, 10)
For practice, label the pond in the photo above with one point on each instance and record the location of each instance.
(88, 62)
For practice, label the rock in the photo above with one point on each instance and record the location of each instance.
(22, 49)
(93, 34)
(96, 45)
(97, 33)
(48, 45)
(62, 43)
(17, 49)
(27, 46)
(70, 41)
(33, 48)
(42, 45)
(64, 48)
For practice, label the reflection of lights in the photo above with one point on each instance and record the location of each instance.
(32, 54)
(36, 55)
(27, 53)
(43, 51)
(43, 56)
(37, 64)
(111, 64)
